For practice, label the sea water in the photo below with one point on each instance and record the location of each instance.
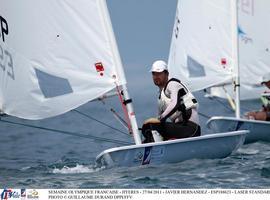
(35, 158)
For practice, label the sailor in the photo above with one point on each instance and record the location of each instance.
(264, 113)
(177, 108)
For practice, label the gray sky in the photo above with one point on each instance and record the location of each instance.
(143, 30)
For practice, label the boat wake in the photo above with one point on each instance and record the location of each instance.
(246, 151)
(78, 169)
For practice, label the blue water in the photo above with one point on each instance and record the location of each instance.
(34, 158)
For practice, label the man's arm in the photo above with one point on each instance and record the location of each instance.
(259, 115)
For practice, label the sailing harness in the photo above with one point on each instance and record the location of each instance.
(185, 102)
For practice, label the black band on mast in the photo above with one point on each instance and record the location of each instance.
(127, 101)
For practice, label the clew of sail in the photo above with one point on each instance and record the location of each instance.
(55, 56)
(201, 47)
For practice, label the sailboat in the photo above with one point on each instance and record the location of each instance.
(63, 54)
(254, 61)
(204, 54)
(253, 45)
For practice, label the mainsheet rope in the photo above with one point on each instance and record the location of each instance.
(68, 132)
(103, 123)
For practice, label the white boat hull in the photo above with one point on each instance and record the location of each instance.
(211, 146)
(258, 130)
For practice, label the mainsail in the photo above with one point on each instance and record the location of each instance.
(254, 48)
(201, 48)
(55, 56)
(200, 52)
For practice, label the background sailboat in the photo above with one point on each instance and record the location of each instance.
(253, 43)
(204, 50)
(69, 56)
(254, 59)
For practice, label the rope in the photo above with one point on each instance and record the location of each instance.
(92, 118)
(69, 133)
(119, 118)
(229, 108)
(223, 104)
(204, 115)
(115, 114)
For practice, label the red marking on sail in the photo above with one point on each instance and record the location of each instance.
(223, 61)
(99, 68)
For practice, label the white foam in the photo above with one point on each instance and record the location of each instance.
(248, 151)
(78, 169)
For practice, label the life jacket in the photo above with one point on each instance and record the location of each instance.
(265, 97)
(185, 102)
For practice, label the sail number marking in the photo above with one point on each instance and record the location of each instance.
(177, 25)
(4, 28)
(6, 62)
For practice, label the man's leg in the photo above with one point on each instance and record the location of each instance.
(180, 130)
(147, 131)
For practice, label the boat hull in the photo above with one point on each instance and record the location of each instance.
(211, 146)
(258, 130)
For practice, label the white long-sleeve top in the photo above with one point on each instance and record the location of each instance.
(169, 100)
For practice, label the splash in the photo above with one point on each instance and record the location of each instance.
(78, 169)
(249, 151)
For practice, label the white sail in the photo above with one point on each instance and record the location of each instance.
(55, 55)
(58, 54)
(254, 48)
(201, 47)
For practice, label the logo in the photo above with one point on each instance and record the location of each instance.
(23, 192)
(32, 194)
(9, 193)
(147, 156)
(6, 194)
(3, 28)
(247, 7)
(243, 36)
(99, 68)
(223, 62)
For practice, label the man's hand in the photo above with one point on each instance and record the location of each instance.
(152, 121)
(258, 115)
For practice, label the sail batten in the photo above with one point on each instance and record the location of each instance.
(56, 57)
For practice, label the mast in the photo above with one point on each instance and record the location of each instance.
(235, 56)
(117, 59)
